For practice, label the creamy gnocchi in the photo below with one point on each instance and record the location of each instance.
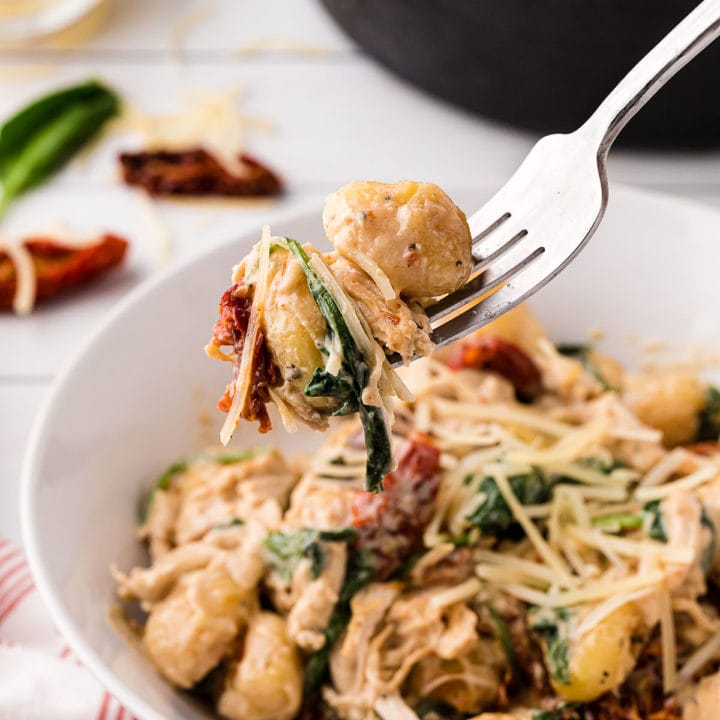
(312, 331)
(545, 548)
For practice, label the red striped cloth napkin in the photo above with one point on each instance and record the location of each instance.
(40, 679)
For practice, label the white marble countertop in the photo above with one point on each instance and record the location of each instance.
(332, 115)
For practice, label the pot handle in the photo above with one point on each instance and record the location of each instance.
(673, 52)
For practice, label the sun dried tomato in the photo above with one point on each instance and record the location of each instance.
(197, 172)
(59, 266)
(231, 330)
(705, 448)
(489, 352)
(391, 523)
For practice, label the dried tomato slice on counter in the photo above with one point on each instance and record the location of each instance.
(489, 352)
(60, 266)
(391, 523)
(197, 172)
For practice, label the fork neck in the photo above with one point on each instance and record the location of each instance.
(674, 51)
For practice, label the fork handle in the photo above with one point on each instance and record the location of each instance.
(674, 51)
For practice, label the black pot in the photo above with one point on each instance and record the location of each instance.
(540, 64)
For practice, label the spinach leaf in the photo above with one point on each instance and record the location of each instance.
(553, 627)
(657, 529)
(179, 467)
(567, 711)
(287, 548)
(43, 136)
(502, 632)
(323, 384)
(235, 522)
(360, 570)
(494, 517)
(602, 465)
(352, 379)
(706, 559)
(709, 416)
(583, 354)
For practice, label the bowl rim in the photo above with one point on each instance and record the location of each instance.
(30, 477)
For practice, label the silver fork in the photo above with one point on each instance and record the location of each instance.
(543, 216)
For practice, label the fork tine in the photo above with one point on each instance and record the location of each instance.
(484, 312)
(477, 236)
(511, 264)
(483, 262)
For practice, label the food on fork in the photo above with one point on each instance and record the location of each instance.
(544, 550)
(42, 267)
(311, 332)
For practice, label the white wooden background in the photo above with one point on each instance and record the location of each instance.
(335, 117)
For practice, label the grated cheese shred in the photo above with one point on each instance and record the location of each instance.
(25, 277)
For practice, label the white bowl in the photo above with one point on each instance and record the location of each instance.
(130, 403)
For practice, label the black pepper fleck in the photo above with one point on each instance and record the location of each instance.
(388, 197)
(458, 263)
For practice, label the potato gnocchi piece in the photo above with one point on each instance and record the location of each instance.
(265, 682)
(669, 401)
(190, 631)
(581, 669)
(411, 231)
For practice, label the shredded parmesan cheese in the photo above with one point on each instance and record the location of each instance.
(464, 591)
(632, 548)
(244, 378)
(504, 413)
(376, 273)
(544, 550)
(25, 277)
(662, 471)
(702, 656)
(699, 477)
